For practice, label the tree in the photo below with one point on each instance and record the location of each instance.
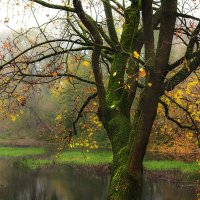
(114, 40)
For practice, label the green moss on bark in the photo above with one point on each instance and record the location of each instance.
(120, 127)
(127, 42)
(122, 185)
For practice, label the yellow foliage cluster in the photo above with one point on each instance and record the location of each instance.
(59, 88)
(173, 139)
(85, 144)
(21, 100)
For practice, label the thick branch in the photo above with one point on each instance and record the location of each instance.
(186, 111)
(187, 16)
(58, 75)
(181, 60)
(110, 22)
(127, 42)
(167, 25)
(54, 6)
(56, 53)
(182, 75)
(193, 39)
(81, 110)
(147, 14)
(91, 26)
(166, 108)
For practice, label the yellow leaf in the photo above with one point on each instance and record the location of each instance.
(189, 135)
(13, 118)
(95, 104)
(142, 72)
(118, 30)
(115, 73)
(86, 63)
(58, 117)
(136, 55)
(149, 84)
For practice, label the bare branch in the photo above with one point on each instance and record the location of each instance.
(179, 124)
(54, 6)
(90, 25)
(182, 75)
(82, 109)
(59, 75)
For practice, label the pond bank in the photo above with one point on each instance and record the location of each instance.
(182, 173)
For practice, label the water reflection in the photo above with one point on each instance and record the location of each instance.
(167, 191)
(49, 184)
(68, 184)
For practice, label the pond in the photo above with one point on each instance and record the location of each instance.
(67, 183)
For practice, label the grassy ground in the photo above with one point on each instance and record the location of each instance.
(184, 167)
(79, 158)
(17, 152)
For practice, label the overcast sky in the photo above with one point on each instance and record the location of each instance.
(15, 13)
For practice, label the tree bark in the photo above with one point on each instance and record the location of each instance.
(122, 184)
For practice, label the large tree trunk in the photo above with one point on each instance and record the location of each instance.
(122, 184)
(129, 143)
(126, 180)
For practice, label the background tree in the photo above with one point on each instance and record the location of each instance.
(110, 36)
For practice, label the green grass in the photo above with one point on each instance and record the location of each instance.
(90, 158)
(77, 157)
(184, 167)
(72, 157)
(98, 158)
(17, 152)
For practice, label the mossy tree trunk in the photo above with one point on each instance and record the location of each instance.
(122, 185)
(129, 136)
(129, 141)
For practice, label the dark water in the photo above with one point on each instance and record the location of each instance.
(70, 184)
